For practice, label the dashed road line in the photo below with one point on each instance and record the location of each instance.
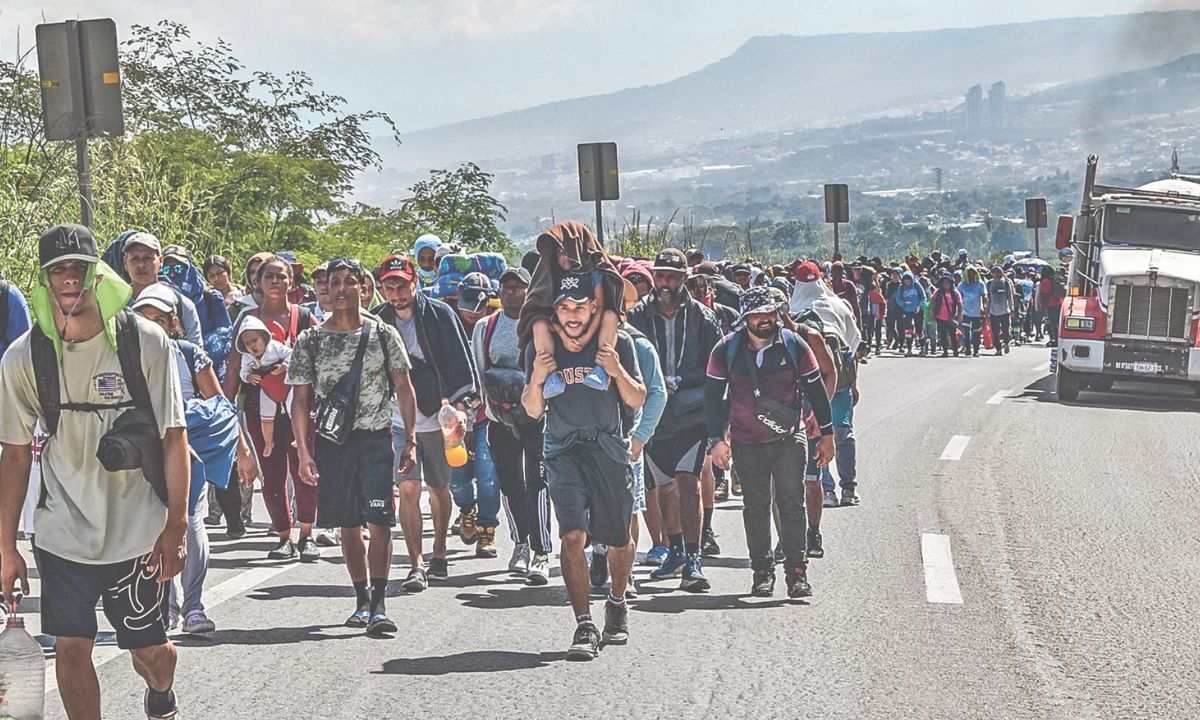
(941, 582)
(997, 398)
(1044, 367)
(954, 448)
(972, 391)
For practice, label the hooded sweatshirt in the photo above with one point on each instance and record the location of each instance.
(908, 295)
(832, 310)
(215, 326)
(427, 277)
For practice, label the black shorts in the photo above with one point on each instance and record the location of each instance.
(674, 454)
(591, 492)
(356, 480)
(131, 594)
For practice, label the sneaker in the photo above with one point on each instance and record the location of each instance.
(539, 570)
(736, 488)
(671, 566)
(815, 548)
(554, 387)
(708, 544)
(439, 569)
(467, 531)
(160, 705)
(585, 645)
(518, 564)
(616, 624)
(598, 570)
(361, 617)
(285, 550)
(777, 553)
(657, 554)
(197, 623)
(631, 590)
(850, 497)
(416, 581)
(830, 499)
(329, 538)
(213, 518)
(172, 621)
(236, 533)
(485, 546)
(381, 624)
(721, 491)
(309, 552)
(693, 576)
(764, 583)
(597, 379)
(797, 582)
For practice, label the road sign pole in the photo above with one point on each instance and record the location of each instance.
(1037, 244)
(597, 162)
(836, 244)
(83, 165)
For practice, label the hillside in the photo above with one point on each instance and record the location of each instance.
(797, 82)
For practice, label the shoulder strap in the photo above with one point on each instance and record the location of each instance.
(294, 323)
(488, 331)
(45, 373)
(789, 346)
(189, 356)
(732, 345)
(129, 352)
(387, 355)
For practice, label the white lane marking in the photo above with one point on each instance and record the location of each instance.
(954, 448)
(1044, 367)
(941, 582)
(972, 391)
(231, 588)
(997, 398)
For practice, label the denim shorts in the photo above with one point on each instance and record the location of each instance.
(639, 485)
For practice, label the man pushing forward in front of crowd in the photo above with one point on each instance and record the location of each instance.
(587, 457)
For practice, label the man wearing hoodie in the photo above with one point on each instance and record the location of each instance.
(101, 536)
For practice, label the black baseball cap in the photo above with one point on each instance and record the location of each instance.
(67, 242)
(574, 286)
(671, 260)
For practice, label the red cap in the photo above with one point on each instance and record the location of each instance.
(807, 272)
(397, 266)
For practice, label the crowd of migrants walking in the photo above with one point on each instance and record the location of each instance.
(146, 394)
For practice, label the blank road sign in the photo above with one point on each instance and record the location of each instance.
(837, 203)
(1035, 213)
(598, 172)
(80, 79)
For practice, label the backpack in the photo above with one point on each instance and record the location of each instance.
(846, 367)
(4, 310)
(1057, 289)
(503, 386)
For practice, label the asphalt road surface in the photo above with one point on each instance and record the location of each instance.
(1013, 558)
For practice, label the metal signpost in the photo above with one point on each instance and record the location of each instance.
(1036, 219)
(837, 210)
(80, 79)
(598, 178)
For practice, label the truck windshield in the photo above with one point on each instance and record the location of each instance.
(1154, 227)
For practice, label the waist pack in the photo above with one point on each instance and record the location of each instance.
(684, 410)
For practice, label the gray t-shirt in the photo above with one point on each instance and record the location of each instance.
(581, 412)
(90, 515)
(322, 357)
(502, 350)
(1000, 297)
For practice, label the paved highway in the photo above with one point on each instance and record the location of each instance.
(1013, 558)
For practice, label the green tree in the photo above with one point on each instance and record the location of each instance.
(457, 206)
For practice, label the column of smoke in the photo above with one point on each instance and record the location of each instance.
(1142, 42)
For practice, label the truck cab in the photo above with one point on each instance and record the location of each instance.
(1134, 286)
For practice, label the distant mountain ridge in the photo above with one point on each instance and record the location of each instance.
(795, 82)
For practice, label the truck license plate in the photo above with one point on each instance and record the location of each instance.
(1148, 368)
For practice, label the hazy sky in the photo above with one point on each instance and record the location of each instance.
(428, 62)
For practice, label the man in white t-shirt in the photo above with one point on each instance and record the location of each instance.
(100, 535)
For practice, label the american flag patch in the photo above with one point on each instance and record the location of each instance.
(110, 386)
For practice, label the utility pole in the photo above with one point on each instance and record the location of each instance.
(937, 174)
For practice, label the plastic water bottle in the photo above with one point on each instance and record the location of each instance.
(22, 673)
(452, 437)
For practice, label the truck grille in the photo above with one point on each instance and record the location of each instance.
(1158, 313)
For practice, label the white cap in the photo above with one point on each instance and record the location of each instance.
(157, 296)
(144, 239)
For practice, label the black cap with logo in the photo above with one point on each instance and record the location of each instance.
(574, 286)
(671, 260)
(67, 242)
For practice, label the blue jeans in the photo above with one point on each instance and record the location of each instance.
(475, 483)
(845, 459)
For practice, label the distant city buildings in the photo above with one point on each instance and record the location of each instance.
(996, 119)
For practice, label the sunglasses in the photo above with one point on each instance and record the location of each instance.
(175, 269)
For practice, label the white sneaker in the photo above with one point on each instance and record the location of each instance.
(539, 570)
(519, 564)
(329, 538)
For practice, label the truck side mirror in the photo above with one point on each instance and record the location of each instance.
(1066, 228)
